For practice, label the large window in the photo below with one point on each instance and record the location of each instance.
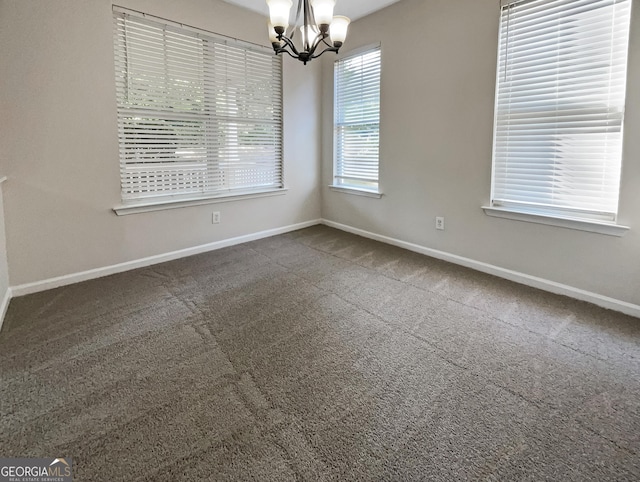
(357, 120)
(198, 116)
(560, 107)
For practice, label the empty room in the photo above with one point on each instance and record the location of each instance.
(319, 240)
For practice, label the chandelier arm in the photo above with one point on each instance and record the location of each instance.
(305, 18)
(329, 49)
(285, 51)
(311, 15)
(320, 38)
(290, 44)
(306, 45)
(295, 23)
(324, 41)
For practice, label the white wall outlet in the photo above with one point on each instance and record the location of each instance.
(215, 218)
(440, 223)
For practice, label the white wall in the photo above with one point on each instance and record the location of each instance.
(59, 141)
(437, 95)
(5, 292)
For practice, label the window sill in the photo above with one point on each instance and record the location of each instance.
(160, 205)
(601, 227)
(355, 191)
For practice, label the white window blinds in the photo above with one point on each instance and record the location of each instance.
(198, 115)
(357, 120)
(560, 107)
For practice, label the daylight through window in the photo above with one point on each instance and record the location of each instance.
(357, 120)
(560, 107)
(198, 115)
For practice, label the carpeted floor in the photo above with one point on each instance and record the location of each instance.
(319, 355)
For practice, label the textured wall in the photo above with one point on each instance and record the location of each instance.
(59, 140)
(438, 82)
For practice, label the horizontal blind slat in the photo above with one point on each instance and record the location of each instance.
(560, 105)
(197, 114)
(357, 117)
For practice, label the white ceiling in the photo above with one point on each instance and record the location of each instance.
(350, 8)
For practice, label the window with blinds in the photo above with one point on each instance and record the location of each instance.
(357, 120)
(198, 115)
(560, 106)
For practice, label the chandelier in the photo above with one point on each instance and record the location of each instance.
(318, 25)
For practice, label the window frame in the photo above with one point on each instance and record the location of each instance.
(210, 192)
(373, 192)
(568, 217)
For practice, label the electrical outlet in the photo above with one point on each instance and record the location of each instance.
(440, 223)
(215, 218)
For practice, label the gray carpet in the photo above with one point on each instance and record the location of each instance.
(319, 355)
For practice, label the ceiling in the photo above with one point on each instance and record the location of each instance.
(353, 9)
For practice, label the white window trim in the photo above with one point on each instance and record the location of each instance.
(372, 193)
(600, 227)
(162, 204)
(355, 191)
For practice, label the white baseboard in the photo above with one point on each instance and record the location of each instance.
(47, 284)
(525, 279)
(5, 305)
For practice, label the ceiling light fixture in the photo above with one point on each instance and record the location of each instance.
(318, 25)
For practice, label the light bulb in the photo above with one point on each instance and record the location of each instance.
(338, 30)
(308, 35)
(323, 13)
(279, 14)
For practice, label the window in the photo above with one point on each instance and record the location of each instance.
(357, 121)
(559, 108)
(199, 116)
